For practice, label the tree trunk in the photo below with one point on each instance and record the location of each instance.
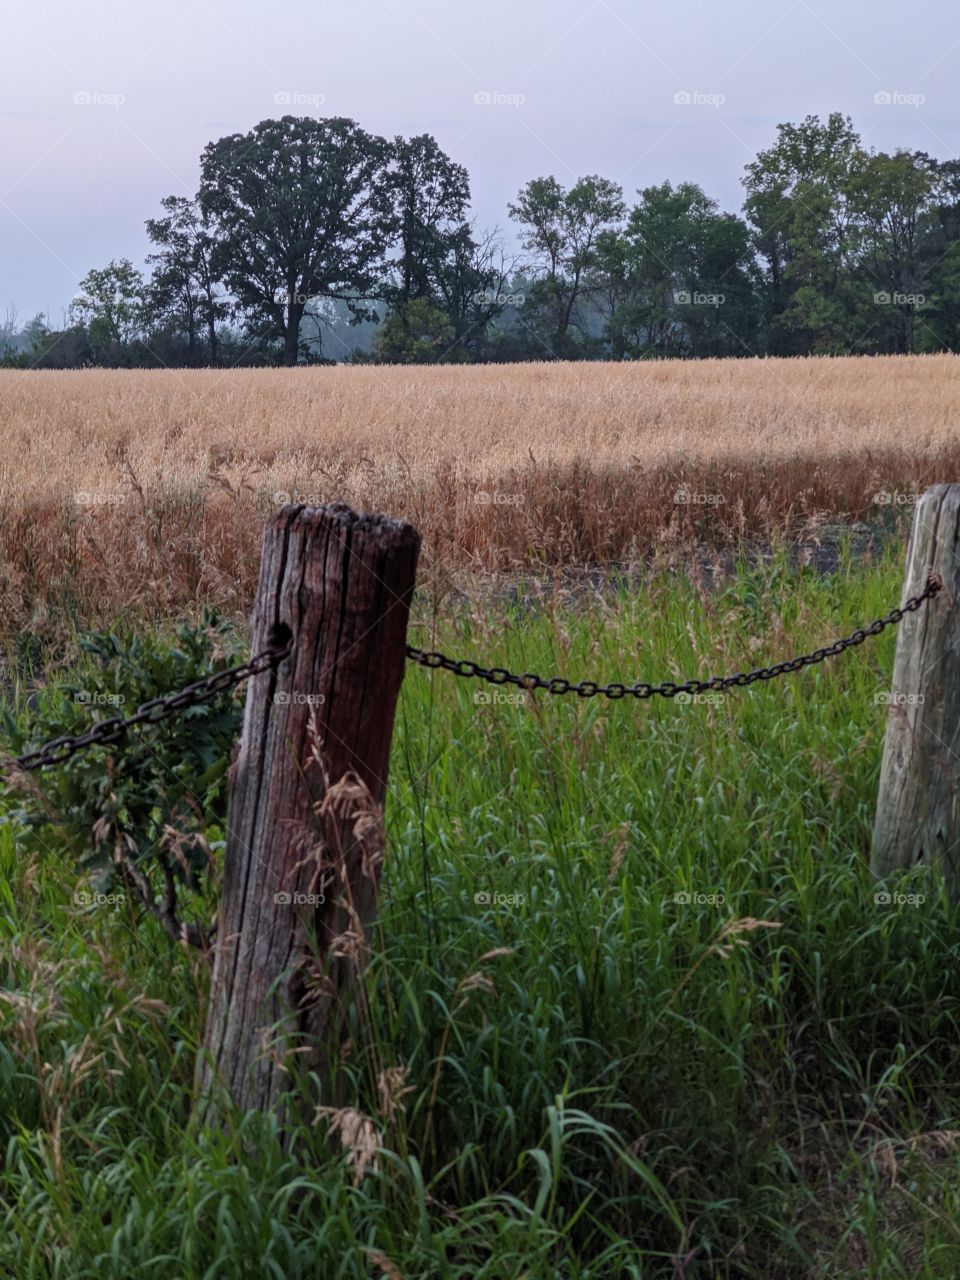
(918, 808)
(307, 789)
(291, 334)
(212, 338)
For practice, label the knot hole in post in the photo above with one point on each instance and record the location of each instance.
(280, 638)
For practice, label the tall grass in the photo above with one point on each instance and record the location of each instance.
(585, 1073)
(147, 489)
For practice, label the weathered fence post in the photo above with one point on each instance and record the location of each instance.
(918, 808)
(304, 840)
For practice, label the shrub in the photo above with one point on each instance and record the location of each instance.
(144, 814)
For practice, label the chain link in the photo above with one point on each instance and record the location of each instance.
(106, 732)
(668, 689)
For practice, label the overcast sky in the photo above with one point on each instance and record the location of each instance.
(106, 105)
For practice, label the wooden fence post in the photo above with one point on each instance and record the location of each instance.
(918, 807)
(304, 840)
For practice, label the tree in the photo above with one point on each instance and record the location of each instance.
(64, 349)
(440, 261)
(473, 289)
(678, 280)
(894, 195)
(431, 197)
(110, 304)
(417, 333)
(183, 291)
(938, 260)
(300, 209)
(8, 332)
(801, 203)
(561, 231)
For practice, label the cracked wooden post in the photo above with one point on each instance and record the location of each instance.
(918, 807)
(307, 786)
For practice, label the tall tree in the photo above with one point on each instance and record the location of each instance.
(894, 195)
(678, 280)
(801, 205)
(939, 261)
(300, 208)
(183, 290)
(109, 303)
(431, 199)
(561, 231)
(431, 195)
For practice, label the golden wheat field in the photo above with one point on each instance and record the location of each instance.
(119, 487)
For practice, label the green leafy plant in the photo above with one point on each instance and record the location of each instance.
(143, 815)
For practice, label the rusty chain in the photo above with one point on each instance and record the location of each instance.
(105, 732)
(113, 730)
(668, 689)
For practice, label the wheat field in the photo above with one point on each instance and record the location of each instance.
(126, 486)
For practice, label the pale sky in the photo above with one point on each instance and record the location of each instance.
(105, 105)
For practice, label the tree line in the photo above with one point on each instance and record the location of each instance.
(313, 241)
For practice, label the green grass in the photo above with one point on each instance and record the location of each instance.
(617, 1087)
